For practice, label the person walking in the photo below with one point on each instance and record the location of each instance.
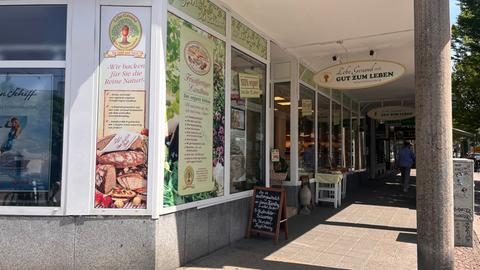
(405, 161)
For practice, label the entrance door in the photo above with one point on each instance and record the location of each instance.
(281, 132)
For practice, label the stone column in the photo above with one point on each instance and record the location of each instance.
(433, 135)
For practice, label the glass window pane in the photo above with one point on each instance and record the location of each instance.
(306, 132)
(355, 141)
(363, 143)
(31, 136)
(281, 131)
(189, 132)
(247, 146)
(337, 158)
(33, 32)
(348, 138)
(323, 126)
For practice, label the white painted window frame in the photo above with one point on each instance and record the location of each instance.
(152, 96)
(63, 64)
(228, 47)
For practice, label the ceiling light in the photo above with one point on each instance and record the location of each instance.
(286, 103)
(279, 98)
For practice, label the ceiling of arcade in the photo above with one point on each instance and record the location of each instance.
(316, 30)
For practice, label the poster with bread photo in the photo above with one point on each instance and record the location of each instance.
(121, 173)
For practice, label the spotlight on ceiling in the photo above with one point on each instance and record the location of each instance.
(372, 52)
(334, 58)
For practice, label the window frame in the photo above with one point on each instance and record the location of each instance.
(152, 104)
(229, 44)
(40, 64)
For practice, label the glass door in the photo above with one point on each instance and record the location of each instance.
(281, 133)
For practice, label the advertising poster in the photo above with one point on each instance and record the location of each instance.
(196, 109)
(122, 131)
(25, 132)
(195, 118)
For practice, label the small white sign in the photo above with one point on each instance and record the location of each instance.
(306, 107)
(359, 74)
(249, 85)
(392, 113)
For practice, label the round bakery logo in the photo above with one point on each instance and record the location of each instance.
(189, 176)
(327, 76)
(197, 58)
(125, 31)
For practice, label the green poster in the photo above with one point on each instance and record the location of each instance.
(204, 11)
(196, 110)
(249, 39)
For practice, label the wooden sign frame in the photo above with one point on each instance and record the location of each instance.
(281, 217)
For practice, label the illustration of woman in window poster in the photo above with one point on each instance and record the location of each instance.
(15, 130)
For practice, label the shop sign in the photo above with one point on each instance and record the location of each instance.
(204, 11)
(402, 123)
(306, 107)
(196, 110)
(391, 113)
(249, 85)
(122, 122)
(248, 38)
(359, 74)
(267, 212)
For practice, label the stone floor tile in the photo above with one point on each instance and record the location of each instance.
(327, 260)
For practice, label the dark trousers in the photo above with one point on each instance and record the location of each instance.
(405, 171)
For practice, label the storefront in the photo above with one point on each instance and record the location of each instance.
(318, 134)
(141, 127)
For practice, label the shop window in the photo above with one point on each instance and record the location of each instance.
(306, 132)
(337, 137)
(33, 32)
(323, 129)
(194, 160)
(32, 103)
(247, 145)
(363, 143)
(281, 131)
(121, 171)
(31, 136)
(347, 131)
(355, 141)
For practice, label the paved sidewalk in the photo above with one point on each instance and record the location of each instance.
(376, 230)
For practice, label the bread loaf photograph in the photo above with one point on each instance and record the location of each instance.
(121, 171)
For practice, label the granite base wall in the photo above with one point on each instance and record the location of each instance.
(120, 242)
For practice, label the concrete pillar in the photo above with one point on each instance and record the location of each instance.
(433, 135)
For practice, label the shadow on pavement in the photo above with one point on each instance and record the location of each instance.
(407, 238)
(261, 253)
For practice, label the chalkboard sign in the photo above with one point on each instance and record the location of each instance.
(268, 212)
